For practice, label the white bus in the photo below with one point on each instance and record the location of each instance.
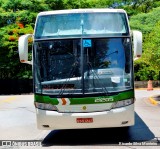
(83, 68)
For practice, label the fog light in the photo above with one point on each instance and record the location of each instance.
(46, 126)
(124, 122)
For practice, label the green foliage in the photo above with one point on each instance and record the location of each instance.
(7, 18)
(149, 24)
(143, 71)
(9, 50)
(34, 5)
(75, 4)
(152, 47)
(145, 21)
(11, 5)
(55, 4)
(26, 17)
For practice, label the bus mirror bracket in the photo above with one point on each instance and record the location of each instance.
(137, 44)
(23, 48)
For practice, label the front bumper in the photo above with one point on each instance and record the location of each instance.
(119, 117)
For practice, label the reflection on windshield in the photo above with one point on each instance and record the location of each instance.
(75, 67)
(78, 24)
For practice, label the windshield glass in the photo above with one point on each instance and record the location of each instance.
(60, 25)
(83, 66)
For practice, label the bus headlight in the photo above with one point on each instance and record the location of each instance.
(44, 106)
(123, 103)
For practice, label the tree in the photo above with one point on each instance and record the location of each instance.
(11, 5)
(34, 5)
(55, 4)
(134, 7)
(10, 66)
(152, 48)
(149, 24)
(145, 21)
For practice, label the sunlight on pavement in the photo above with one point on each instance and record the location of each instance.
(7, 99)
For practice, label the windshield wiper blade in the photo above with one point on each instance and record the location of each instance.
(59, 81)
(69, 78)
(97, 77)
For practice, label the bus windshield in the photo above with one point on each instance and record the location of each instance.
(75, 24)
(83, 66)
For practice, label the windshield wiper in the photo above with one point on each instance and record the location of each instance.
(95, 74)
(69, 78)
(97, 77)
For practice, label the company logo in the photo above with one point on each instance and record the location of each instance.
(63, 101)
(84, 107)
(104, 100)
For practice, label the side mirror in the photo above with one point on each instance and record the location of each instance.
(23, 48)
(137, 44)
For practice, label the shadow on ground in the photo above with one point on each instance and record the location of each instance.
(102, 136)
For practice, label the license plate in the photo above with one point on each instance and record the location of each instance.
(84, 120)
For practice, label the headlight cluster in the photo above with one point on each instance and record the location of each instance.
(123, 103)
(45, 106)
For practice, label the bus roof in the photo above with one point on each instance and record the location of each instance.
(82, 11)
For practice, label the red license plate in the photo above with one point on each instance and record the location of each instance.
(84, 120)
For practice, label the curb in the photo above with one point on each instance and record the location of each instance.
(153, 101)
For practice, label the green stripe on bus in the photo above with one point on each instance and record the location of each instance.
(45, 99)
(86, 100)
